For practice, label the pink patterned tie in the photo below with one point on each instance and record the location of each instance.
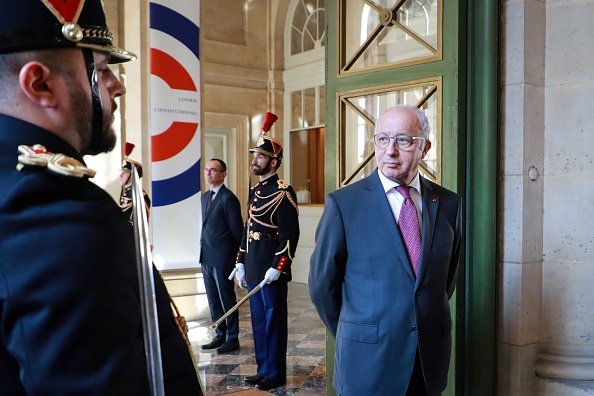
(408, 223)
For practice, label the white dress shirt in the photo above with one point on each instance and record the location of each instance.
(395, 199)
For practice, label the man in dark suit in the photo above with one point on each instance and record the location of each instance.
(385, 265)
(70, 317)
(267, 249)
(221, 236)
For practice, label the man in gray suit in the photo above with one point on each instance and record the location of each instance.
(221, 235)
(385, 265)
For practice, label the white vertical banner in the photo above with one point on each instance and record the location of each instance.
(175, 132)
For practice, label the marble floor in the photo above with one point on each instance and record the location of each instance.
(223, 374)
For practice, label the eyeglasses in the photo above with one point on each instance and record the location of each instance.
(404, 142)
(211, 170)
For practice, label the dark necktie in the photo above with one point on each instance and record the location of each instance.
(408, 223)
(209, 196)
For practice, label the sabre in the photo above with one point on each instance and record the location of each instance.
(148, 296)
(235, 307)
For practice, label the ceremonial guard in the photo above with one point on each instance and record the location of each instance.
(267, 249)
(70, 315)
(126, 183)
(126, 204)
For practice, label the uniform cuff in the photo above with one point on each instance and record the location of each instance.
(281, 262)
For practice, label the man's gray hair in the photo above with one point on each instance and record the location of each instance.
(425, 128)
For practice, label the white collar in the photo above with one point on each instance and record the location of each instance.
(216, 189)
(390, 184)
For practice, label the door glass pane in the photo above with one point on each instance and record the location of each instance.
(388, 33)
(296, 110)
(307, 165)
(300, 165)
(361, 112)
(306, 144)
(322, 104)
(309, 115)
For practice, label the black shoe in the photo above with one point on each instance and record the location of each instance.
(217, 342)
(229, 346)
(267, 384)
(254, 379)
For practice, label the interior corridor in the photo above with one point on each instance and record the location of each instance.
(223, 374)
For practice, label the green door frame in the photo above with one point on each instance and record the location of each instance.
(482, 127)
(475, 64)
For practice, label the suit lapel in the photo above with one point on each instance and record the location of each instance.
(203, 202)
(430, 206)
(216, 199)
(212, 204)
(382, 210)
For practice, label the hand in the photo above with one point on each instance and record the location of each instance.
(240, 275)
(271, 275)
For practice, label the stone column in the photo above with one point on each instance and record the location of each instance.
(547, 282)
(567, 342)
(521, 195)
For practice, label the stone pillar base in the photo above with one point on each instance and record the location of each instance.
(566, 362)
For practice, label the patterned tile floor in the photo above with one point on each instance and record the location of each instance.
(306, 367)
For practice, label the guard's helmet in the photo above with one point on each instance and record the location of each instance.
(127, 164)
(267, 145)
(45, 24)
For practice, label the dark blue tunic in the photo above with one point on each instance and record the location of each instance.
(270, 239)
(70, 319)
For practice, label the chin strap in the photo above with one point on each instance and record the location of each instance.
(95, 96)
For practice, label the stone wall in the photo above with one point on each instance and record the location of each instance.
(546, 235)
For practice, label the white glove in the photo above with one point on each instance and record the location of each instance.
(272, 274)
(240, 275)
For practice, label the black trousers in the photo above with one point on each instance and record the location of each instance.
(221, 298)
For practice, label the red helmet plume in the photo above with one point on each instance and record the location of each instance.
(128, 147)
(269, 119)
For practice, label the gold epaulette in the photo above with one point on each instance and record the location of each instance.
(37, 155)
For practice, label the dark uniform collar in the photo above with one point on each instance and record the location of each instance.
(15, 132)
(269, 178)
